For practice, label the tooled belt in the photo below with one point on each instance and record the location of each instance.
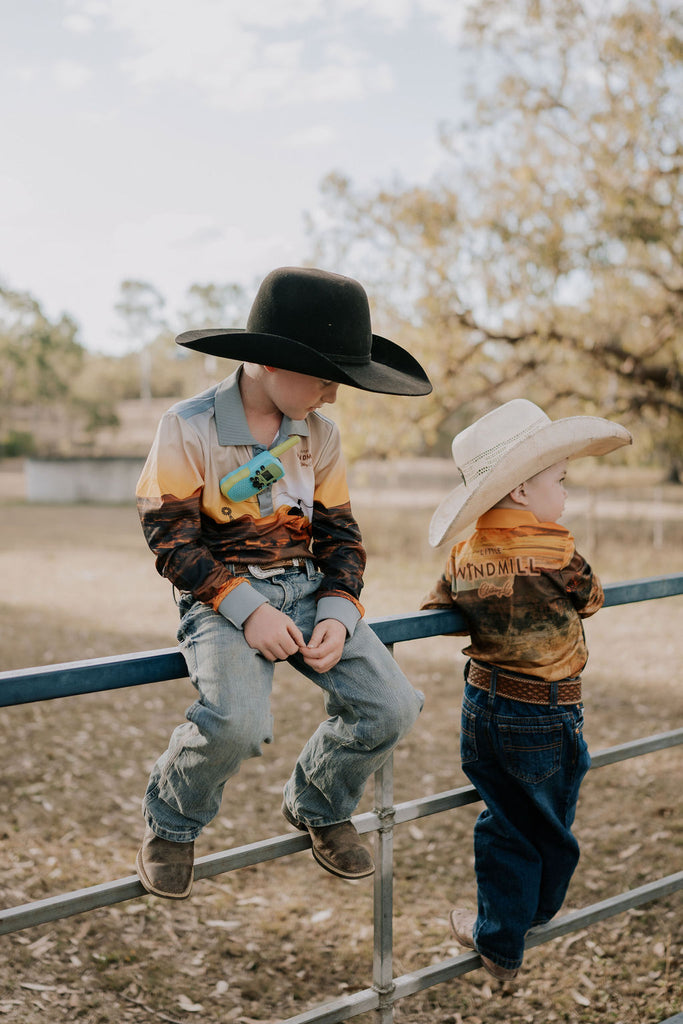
(523, 688)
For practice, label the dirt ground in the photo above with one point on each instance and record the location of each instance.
(267, 942)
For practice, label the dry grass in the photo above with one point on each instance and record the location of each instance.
(258, 944)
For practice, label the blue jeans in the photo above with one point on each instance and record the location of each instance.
(369, 701)
(527, 762)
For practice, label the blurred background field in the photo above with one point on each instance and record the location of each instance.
(266, 942)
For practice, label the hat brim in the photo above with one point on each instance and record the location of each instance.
(390, 371)
(570, 438)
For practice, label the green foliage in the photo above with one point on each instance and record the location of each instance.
(140, 307)
(17, 444)
(38, 359)
(53, 399)
(155, 367)
(39, 362)
(215, 305)
(55, 396)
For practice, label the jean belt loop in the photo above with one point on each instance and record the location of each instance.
(553, 693)
(492, 685)
(310, 568)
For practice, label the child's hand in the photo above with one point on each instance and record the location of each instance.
(272, 633)
(325, 647)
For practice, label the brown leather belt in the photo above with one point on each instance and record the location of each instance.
(523, 688)
(264, 572)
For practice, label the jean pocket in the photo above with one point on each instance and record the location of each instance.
(468, 737)
(532, 753)
(581, 755)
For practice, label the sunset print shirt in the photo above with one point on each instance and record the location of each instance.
(196, 533)
(523, 589)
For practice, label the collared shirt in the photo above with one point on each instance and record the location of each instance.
(523, 590)
(196, 533)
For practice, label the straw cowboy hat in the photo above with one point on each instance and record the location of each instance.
(508, 446)
(315, 323)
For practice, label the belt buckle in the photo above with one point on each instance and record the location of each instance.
(265, 574)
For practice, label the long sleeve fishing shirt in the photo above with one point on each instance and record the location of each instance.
(523, 590)
(197, 534)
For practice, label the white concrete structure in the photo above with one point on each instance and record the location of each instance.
(107, 481)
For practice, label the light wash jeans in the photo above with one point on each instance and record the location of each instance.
(369, 701)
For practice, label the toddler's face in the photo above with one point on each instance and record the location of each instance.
(546, 494)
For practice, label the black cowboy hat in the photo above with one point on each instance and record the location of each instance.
(315, 323)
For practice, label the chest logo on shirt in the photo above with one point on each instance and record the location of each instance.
(473, 571)
(489, 589)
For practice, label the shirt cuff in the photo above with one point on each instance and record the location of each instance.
(340, 609)
(238, 605)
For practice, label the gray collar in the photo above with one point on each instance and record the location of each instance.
(231, 422)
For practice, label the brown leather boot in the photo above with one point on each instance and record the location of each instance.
(337, 848)
(462, 924)
(501, 973)
(164, 868)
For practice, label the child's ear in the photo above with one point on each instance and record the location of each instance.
(518, 495)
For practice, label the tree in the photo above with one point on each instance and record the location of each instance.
(547, 260)
(214, 305)
(140, 307)
(211, 305)
(39, 360)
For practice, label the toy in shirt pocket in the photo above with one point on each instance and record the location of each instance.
(254, 476)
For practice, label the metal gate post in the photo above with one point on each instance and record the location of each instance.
(382, 966)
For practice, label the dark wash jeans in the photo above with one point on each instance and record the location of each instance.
(527, 762)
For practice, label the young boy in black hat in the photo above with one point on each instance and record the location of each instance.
(269, 565)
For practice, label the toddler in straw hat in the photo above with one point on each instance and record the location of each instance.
(523, 590)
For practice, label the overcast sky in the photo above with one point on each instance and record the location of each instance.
(181, 141)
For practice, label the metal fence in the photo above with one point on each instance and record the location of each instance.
(53, 681)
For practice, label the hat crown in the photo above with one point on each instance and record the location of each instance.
(485, 443)
(327, 312)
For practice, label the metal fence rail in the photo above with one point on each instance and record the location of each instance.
(73, 678)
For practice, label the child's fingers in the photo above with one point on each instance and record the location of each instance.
(295, 633)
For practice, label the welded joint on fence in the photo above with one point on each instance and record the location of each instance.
(385, 1002)
(386, 817)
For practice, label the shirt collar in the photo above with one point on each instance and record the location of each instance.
(231, 421)
(508, 518)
